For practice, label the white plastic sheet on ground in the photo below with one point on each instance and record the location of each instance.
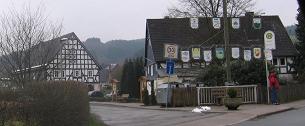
(201, 109)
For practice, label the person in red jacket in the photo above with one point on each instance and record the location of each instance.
(274, 87)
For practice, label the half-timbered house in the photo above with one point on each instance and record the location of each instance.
(62, 59)
(204, 34)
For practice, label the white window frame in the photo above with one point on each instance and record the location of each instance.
(56, 74)
(90, 73)
(77, 73)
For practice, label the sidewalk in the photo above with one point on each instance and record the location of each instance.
(245, 112)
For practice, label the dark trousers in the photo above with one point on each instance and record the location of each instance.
(274, 95)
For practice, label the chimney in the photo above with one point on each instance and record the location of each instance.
(249, 14)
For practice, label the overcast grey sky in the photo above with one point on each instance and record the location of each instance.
(125, 19)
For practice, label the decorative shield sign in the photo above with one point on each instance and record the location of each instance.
(268, 54)
(247, 55)
(196, 53)
(257, 23)
(194, 22)
(257, 53)
(207, 55)
(269, 39)
(185, 56)
(235, 53)
(216, 23)
(235, 23)
(220, 53)
(171, 51)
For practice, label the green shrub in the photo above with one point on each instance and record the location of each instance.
(145, 97)
(232, 93)
(212, 75)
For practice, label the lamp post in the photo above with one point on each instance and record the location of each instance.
(226, 40)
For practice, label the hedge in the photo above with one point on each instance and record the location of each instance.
(53, 103)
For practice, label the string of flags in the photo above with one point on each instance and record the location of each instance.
(207, 54)
(235, 23)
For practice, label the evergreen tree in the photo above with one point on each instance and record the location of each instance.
(132, 70)
(300, 31)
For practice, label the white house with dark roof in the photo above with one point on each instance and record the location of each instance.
(62, 59)
(204, 35)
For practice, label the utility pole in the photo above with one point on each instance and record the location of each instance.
(226, 40)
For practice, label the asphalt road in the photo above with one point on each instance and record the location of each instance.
(290, 118)
(123, 116)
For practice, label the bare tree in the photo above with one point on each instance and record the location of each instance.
(22, 34)
(210, 8)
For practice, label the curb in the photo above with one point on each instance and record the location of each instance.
(275, 112)
(262, 115)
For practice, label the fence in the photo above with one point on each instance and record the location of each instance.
(213, 95)
(184, 97)
(287, 93)
(250, 93)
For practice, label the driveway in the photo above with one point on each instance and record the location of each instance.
(124, 116)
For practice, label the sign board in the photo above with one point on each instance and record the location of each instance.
(269, 39)
(170, 66)
(207, 54)
(185, 56)
(194, 22)
(220, 53)
(196, 53)
(257, 53)
(257, 23)
(268, 54)
(235, 53)
(247, 55)
(171, 51)
(235, 23)
(216, 23)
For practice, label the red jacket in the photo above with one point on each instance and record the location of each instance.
(273, 81)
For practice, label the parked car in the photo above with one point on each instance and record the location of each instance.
(95, 94)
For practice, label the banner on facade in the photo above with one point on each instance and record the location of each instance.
(268, 54)
(216, 23)
(247, 55)
(171, 51)
(235, 53)
(196, 53)
(257, 53)
(269, 39)
(194, 22)
(207, 55)
(235, 23)
(257, 23)
(219, 53)
(185, 56)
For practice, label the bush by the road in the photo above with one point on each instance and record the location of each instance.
(47, 104)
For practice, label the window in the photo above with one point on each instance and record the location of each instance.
(63, 73)
(282, 62)
(77, 73)
(90, 73)
(275, 62)
(56, 73)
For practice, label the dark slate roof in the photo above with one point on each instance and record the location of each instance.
(44, 52)
(178, 30)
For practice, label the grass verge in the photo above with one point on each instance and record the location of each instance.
(94, 121)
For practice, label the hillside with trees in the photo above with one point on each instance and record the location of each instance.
(115, 51)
